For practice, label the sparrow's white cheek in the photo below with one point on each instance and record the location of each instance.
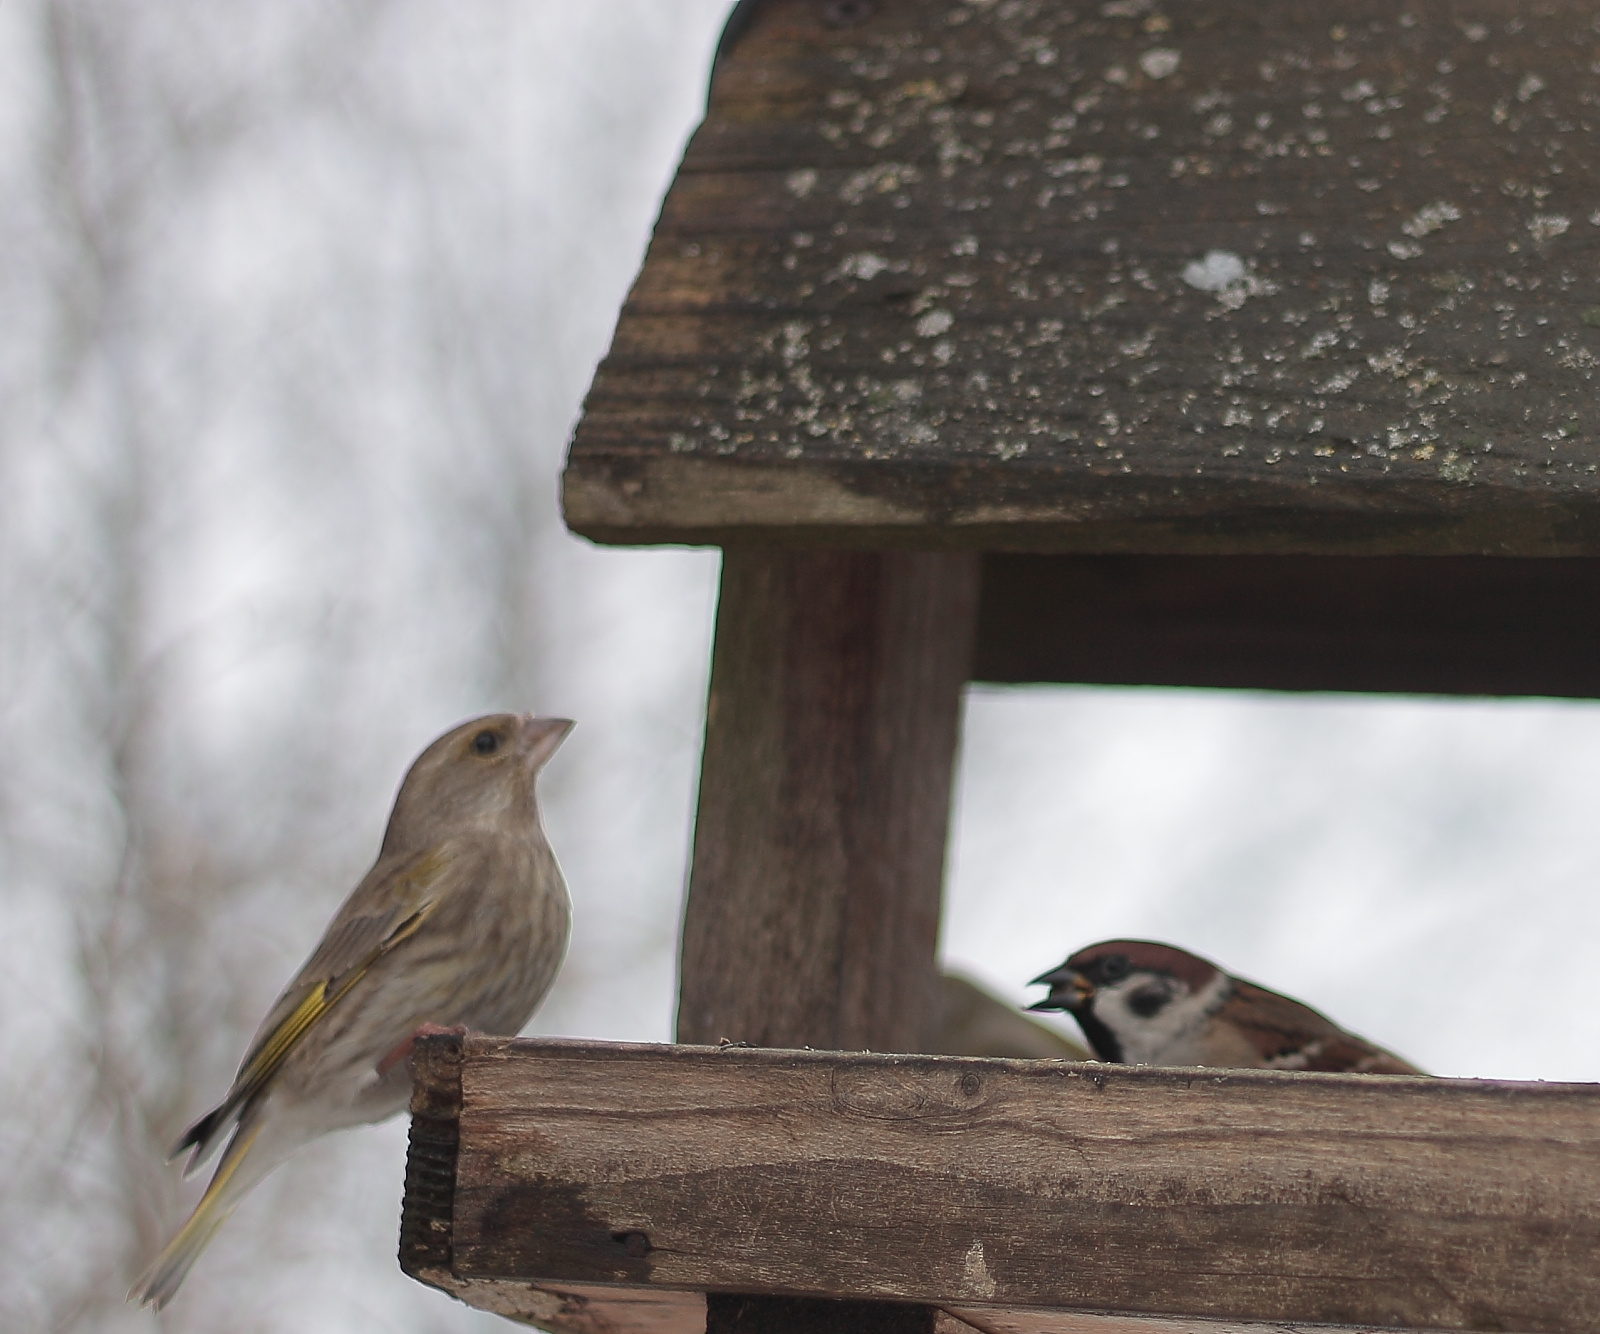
(1174, 1034)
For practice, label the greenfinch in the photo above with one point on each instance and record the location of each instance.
(461, 923)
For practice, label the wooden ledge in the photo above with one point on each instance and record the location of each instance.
(597, 1187)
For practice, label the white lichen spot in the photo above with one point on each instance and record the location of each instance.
(1377, 292)
(1320, 343)
(1475, 32)
(1531, 84)
(1160, 62)
(1454, 468)
(1118, 9)
(1391, 362)
(1429, 219)
(882, 179)
(795, 348)
(1422, 453)
(978, 1280)
(1404, 249)
(1237, 416)
(934, 323)
(1005, 451)
(863, 265)
(1226, 274)
(1072, 166)
(1218, 271)
(943, 352)
(1337, 383)
(1547, 226)
(802, 182)
(920, 433)
(964, 245)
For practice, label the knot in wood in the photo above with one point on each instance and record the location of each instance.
(635, 1244)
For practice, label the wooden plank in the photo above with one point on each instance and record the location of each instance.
(1018, 1194)
(921, 281)
(813, 907)
(1434, 625)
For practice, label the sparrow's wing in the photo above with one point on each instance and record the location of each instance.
(385, 909)
(1292, 1036)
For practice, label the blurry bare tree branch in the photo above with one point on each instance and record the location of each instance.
(301, 302)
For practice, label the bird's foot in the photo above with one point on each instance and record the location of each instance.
(428, 1030)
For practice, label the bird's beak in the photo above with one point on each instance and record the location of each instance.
(1069, 989)
(543, 735)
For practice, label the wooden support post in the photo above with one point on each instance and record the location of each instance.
(813, 907)
(831, 734)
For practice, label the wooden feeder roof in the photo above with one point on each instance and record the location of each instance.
(1133, 276)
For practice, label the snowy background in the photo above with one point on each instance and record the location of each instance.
(300, 303)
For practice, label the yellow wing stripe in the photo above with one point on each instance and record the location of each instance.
(272, 1053)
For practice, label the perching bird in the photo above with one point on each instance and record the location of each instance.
(1147, 1004)
(461, 922)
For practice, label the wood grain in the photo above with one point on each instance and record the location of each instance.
(921, 280)
(1016, 1186)
(1461, 625)
(813, 906)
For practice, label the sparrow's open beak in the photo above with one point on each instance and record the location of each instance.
(1069, 989)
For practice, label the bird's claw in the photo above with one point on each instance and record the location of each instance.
(426, 1030)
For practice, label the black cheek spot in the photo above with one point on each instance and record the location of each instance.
(1148, 1003)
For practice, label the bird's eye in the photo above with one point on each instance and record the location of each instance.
(1148, 1002)
(1113, 968)
(485, 742)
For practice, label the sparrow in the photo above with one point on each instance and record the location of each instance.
(1142, 1003)
(461, 923)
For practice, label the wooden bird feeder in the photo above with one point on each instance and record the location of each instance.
(1208, 343)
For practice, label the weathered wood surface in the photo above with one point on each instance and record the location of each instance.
(1022, 1196)
(930, 278)
(1460, 625)
(813, 908)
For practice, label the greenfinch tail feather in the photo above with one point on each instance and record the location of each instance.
(158, 1283)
